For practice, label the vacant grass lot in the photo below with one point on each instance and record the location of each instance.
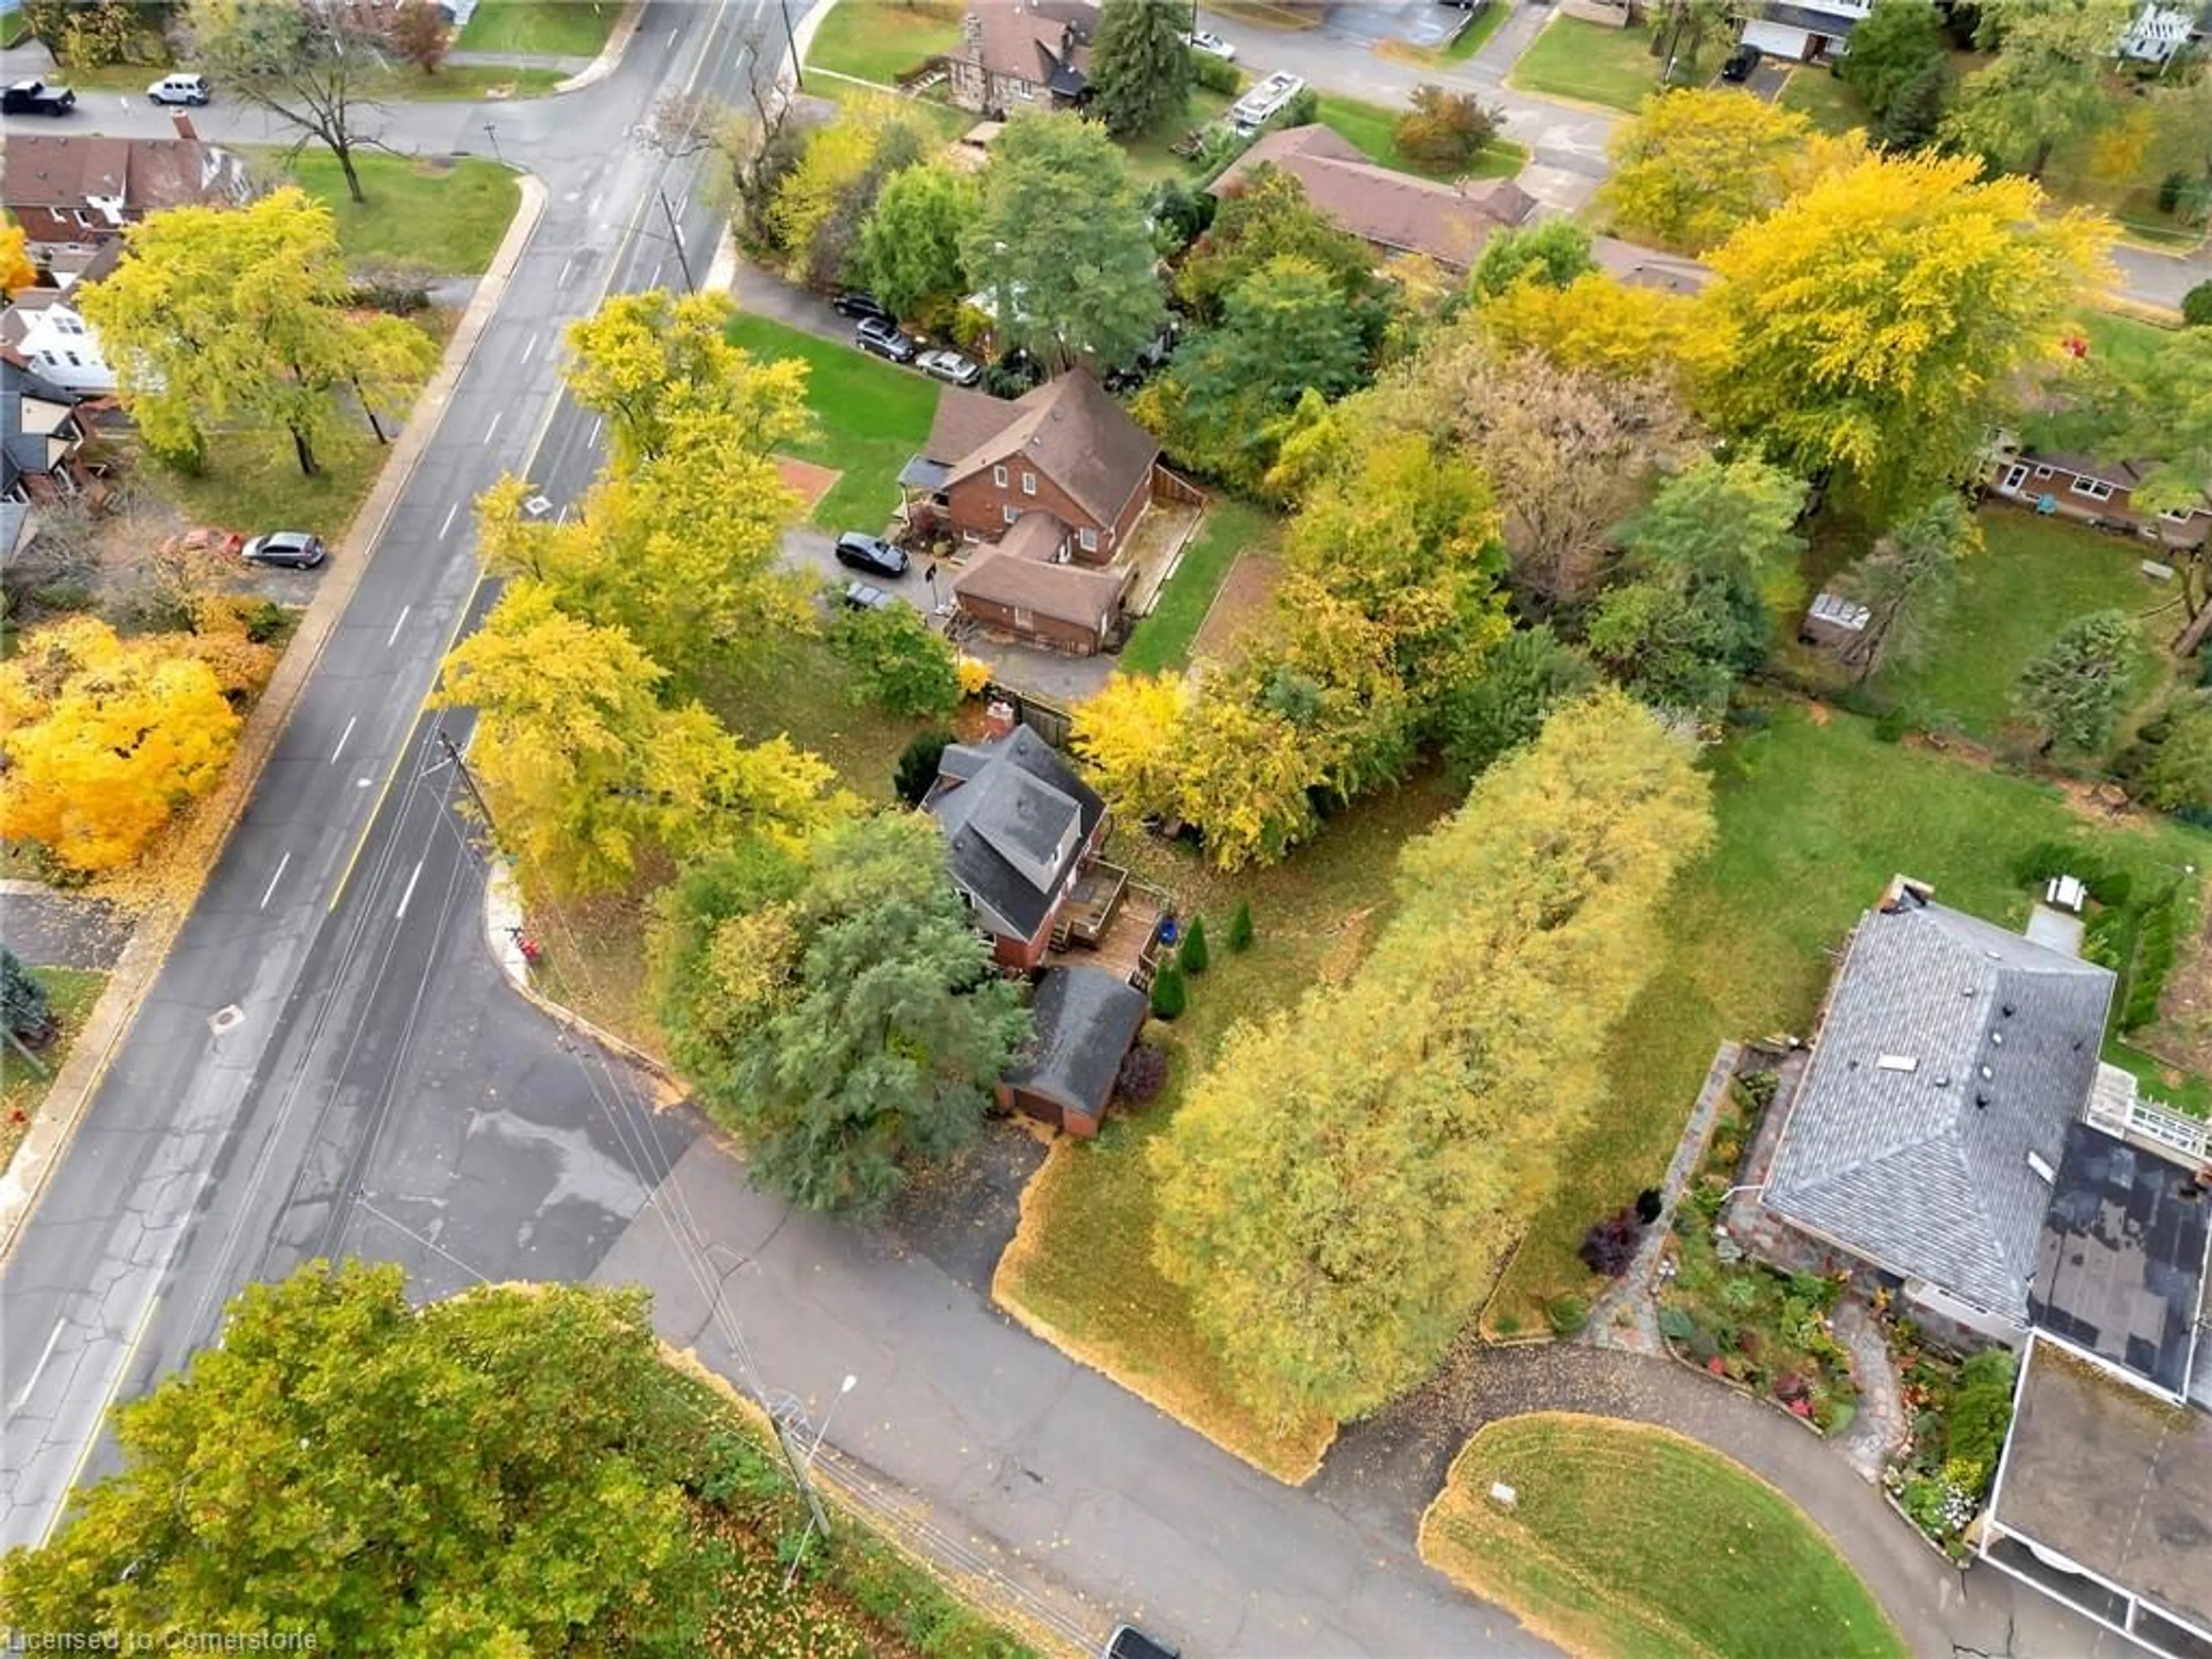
(1163, 640)
(870, 40)
(1815, 815)
(446, 217)
(1590, 63)
(1080, 1272)
(2034, 576)
(871, 419)
(553, 28)
(1371, 129)
(71, 992)
(1826, 98)
(1628, 1540)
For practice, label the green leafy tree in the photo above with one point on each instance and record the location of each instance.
(1525, 677)
(1141, 70)
(1417, 1113)
(494, 1474)
(2197, 307)
(1170, 996)
(1892, 48)
(869, 1029)
(1725, 529)
(917, 766)
(313, 68)
(1665, 646)
(2155, 413)
(911, 244)
(2178, 775)
(1240, 926)
(23, 1001)
(899, 663)
(1192, 955)
(1554, 253)
(2047, 86)
(2076, 690)
(1060, 245)
(1264, 217)
(1908, 582)
(224, 315)
(1915, 114)
(1444, 131)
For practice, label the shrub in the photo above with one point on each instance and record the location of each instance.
(1676, 1326)
(1444, 131)
(917, 766)
(1649, 1204)
(1214, 74)
(264, 621)
(1568, 1316)
(1192, 956)
(23, 1001)
(1609, 1246)
(898, 662)
(1170, 996)
(1893, 726)
(1240, 926)
(2196, 305)
(1302, 110)
(1144, 1074)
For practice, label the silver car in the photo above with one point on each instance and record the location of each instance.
(294, 550)
(950, 367)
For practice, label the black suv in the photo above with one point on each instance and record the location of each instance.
(872, 554)
(37, 98)
(1740, 64)
(880, 337)
(854, 303)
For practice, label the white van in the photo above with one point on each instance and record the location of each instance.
(179, 89)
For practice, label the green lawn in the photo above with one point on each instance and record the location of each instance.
(873, 40)
(872, 418)
(71, 994)
(800, 694)
(1826, 99)
(1151, 159)
(446, 217)
(1815, 815)
(1590, 63)
(460, 83)
(2033, 576)
(15, 28)
(1628, 1540)
(1477, 34)
(549, 28)
(1163, 640)
(1368, 128)
(1081, 1271)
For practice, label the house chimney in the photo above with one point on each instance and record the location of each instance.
(971, 29)
(186, 129)
(999, 719)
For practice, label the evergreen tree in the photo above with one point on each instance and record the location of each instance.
(1169, 995)
(23, 1001)
(1240, 926)
(1193, 954)
(2073, 692)
(917, 766)
(1139, 66)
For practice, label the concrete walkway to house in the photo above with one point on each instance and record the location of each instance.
(1382, 1474)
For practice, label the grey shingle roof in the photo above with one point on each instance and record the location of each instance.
(1924, 1170)
(1086, 1018)
(1015, 817)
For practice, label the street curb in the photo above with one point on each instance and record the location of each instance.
(611, 55)
(111, 1016)
(502, 915)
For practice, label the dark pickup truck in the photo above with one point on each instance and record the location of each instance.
(37, 98)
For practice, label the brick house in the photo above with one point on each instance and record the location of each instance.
(2097, 492)
(1019, 829)
(72, 194)
(1027, 587)
(1393, 211)
(1023, 54)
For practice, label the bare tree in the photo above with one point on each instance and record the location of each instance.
(314, 67)
(758, 146)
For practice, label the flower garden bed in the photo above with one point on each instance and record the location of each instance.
(1737, 1320)
(1959, 1413)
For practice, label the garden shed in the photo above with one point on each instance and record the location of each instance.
(1086, 1019)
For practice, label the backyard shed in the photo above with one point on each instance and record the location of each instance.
(1086, 1019)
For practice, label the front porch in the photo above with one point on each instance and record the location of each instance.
(1109, 921)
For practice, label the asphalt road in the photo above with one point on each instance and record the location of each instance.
(279, 1093)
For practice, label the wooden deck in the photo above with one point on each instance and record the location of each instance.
(1120, 944)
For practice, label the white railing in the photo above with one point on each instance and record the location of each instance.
(2144, 1120)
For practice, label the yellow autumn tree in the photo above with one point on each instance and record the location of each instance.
(1415, 1117)
(1691, 168)
(16, 270)
(1600, 326)
(105, 740)
(1876, 322)
(1128, 734)
(822, 205)
(645, 360)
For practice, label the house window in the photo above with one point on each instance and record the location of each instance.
(2182, 517)
(1009, 514)
(2015, 477)
(999, 477)
(2095, 489)
(1089, 538)
(2043, 472)
(66, 324)
(1028, 483)
(1024, 617)
(74, 363)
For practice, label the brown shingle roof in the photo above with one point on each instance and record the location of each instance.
(1643, 267)
(1071, 431)
(1064, 592)
(1025, 37)
(965, 421)
(148, 174)
(1447, 222)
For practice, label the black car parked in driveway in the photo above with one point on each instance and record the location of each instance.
(872, 554)
(853, 302)
(37, 98)
(1741, 62)
(881, 337)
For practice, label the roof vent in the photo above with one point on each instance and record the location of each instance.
(2041, 1165)
(1943, 1082)
(1980, 1100)
(1898, 1063)
(2007, 1011)
(1987, 1074)
(1997, 1038)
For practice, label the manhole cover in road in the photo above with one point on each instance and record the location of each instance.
(538, 506)
(223, 1019)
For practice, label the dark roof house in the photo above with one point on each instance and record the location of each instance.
(1018, 824)
(1396, 211)
(1086, 1019)
(1013, 53)
(40, 434)
(1926, 1135)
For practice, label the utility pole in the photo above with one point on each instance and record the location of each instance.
(468, 781)
(492, 133)
(797, 70)
(676, 235)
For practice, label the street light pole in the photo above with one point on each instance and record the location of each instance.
(814, 1505)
